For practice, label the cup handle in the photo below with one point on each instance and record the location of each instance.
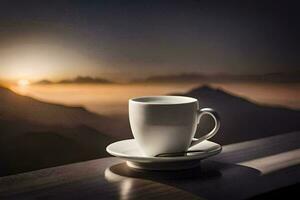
(215, 116)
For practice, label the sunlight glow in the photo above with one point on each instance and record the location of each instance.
(44, 60)
(23, 83)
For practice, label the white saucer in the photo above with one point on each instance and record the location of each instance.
(129, 151)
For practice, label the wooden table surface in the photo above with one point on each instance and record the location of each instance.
(241, 171)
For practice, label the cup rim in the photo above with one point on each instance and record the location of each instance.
(183, 100)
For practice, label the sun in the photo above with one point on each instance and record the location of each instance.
(23, 83)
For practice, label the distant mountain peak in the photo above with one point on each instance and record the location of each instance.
(44, 81)
(86, 79)
(76, 80)
(204, 88)
(209, 90)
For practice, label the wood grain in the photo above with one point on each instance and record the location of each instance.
(233, 174)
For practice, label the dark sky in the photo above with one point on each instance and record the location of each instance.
(146, 37)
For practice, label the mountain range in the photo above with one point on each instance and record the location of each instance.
(77, 80)
(280, 77)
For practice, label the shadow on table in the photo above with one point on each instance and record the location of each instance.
(212, 180)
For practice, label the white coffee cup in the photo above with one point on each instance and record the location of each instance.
(167, 124)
